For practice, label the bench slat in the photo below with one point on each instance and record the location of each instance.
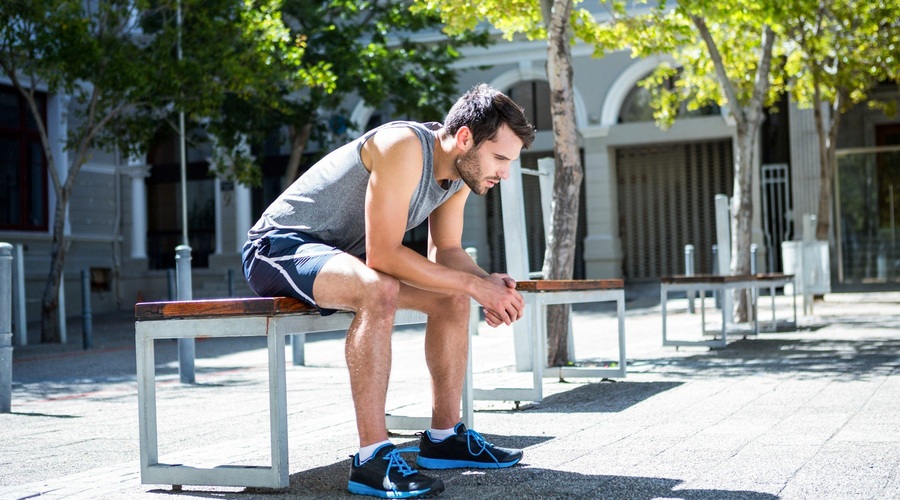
(722, 279)
(266, 306)
(248, 306)
(566, 285)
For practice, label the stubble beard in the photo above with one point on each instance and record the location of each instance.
(469, 170)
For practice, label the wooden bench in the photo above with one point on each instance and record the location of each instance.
(277, 317)
(722, 284)
(538, 294)
(273, 318)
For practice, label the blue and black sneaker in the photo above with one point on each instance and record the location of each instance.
(467, 449)
(387, 475)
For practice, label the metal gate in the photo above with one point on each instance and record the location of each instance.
(776, 201)
(667, 200)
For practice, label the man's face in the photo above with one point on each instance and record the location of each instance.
(485, 165)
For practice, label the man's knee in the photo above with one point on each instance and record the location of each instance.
(380, 294)
(452, 306)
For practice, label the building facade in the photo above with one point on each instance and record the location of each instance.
(647, 192)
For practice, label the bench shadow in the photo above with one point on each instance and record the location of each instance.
(808, 358)
(603, 397)
(521, 481)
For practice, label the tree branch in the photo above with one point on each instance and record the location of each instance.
(716, 56)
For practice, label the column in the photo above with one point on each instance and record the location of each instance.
(242, 214)
(138, 171)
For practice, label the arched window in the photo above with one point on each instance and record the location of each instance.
(534, 97)
(636, 106)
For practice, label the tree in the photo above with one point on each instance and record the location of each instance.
(714, 70)
(841, 50)
(116, 59)
(368, 47)
(559, 22)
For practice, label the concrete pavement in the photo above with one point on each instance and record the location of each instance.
(812, 412)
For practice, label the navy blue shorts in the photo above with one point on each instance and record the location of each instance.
(285, 264)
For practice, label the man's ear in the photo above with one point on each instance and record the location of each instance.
(464, 140)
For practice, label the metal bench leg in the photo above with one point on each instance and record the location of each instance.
(278, 407)
(146, 386)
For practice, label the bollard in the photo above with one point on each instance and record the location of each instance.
(20, 335)
(6, 327)
(87, 319)
(185, 346)
(170, 282)
(715, 270)
(474, 307)
(689, 271)
(753, 255)
(230, 279)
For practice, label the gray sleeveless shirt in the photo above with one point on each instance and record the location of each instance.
(328, 201)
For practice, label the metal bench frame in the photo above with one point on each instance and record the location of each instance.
(722, 284)
(273, 318)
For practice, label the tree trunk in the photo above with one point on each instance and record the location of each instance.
(827, 161)
(559, 259)
(299, 139)
(50, 332)
(742, 213)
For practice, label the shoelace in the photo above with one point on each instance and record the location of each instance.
(395, 460)
(480, 442)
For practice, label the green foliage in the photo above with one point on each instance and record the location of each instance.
(841, 46)
(736, 29)
(118, 60)
(368, 46)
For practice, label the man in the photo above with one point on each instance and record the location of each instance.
(334, 240)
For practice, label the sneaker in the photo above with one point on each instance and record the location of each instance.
(387, 475)
(467, 449)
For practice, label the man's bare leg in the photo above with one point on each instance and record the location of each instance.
(446, 352)
(345, 283)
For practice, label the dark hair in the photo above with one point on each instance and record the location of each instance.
(484, 109)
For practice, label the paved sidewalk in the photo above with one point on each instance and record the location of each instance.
(809, 413)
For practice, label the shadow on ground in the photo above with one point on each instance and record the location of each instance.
(521, 481)
(807, 358)
(603, 397)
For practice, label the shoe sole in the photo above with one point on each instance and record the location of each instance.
(361, 489)
(440, 463)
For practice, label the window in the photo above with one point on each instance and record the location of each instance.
(534, 97)
(23, 167)
(636, 107)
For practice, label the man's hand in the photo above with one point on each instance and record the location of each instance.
(502, 303)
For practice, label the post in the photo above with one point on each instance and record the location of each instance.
(715, 270)
(170, 283)
(807, 268)
(474, 306)
(230, 278)
(5, 327)
(61, 309)
(87, 319)
(723, 240)
(185, 346)
(754, 249)
(689, 271)
(21, 332)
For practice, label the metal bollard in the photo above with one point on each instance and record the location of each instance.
(186, 351)
(715, 271)
(753, 256)
(6, 327)
(170, 282)
(20, 335)
(474, 307)
(689, 271)
(87, 319)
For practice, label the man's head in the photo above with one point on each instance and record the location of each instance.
(484, 110)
